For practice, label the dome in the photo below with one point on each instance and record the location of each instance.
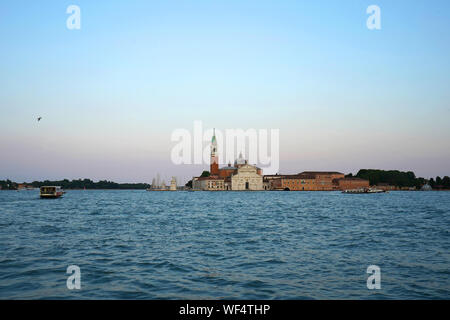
(239, 160)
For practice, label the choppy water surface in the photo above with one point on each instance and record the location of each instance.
(225, 245)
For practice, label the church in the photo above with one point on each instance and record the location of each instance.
(241, 176)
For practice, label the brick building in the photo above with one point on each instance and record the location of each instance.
(352, 183)
(313, 181)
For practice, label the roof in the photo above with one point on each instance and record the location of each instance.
(320, 172)
(292, 176)
(240, 160)
(209, 178)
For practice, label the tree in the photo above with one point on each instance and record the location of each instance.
(205, 174)
(189, 184)
(432, 183)
(8, 185)
(391, 177)
(446, 182)
(89, 184)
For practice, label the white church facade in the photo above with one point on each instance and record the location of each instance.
(240, 177)
(246, 178)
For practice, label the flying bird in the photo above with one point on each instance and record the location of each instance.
(39, 119)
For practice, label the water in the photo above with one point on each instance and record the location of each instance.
(225, 245)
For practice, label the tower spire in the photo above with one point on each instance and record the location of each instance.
(214, 165)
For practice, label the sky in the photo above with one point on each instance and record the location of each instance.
(111, 93)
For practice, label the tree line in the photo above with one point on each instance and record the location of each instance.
(8, 185)
(76, 184)
(440, 183)
(401, 179)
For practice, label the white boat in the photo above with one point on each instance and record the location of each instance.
(51, 192)
(376, 191)
(364, 190)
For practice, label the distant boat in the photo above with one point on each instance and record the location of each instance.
(377, 191)
(51, 192)
(364, 190)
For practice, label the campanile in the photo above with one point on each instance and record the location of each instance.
(214, 166)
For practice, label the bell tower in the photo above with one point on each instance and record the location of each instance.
(214, 166)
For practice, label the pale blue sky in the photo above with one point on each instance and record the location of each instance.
(344, 97)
